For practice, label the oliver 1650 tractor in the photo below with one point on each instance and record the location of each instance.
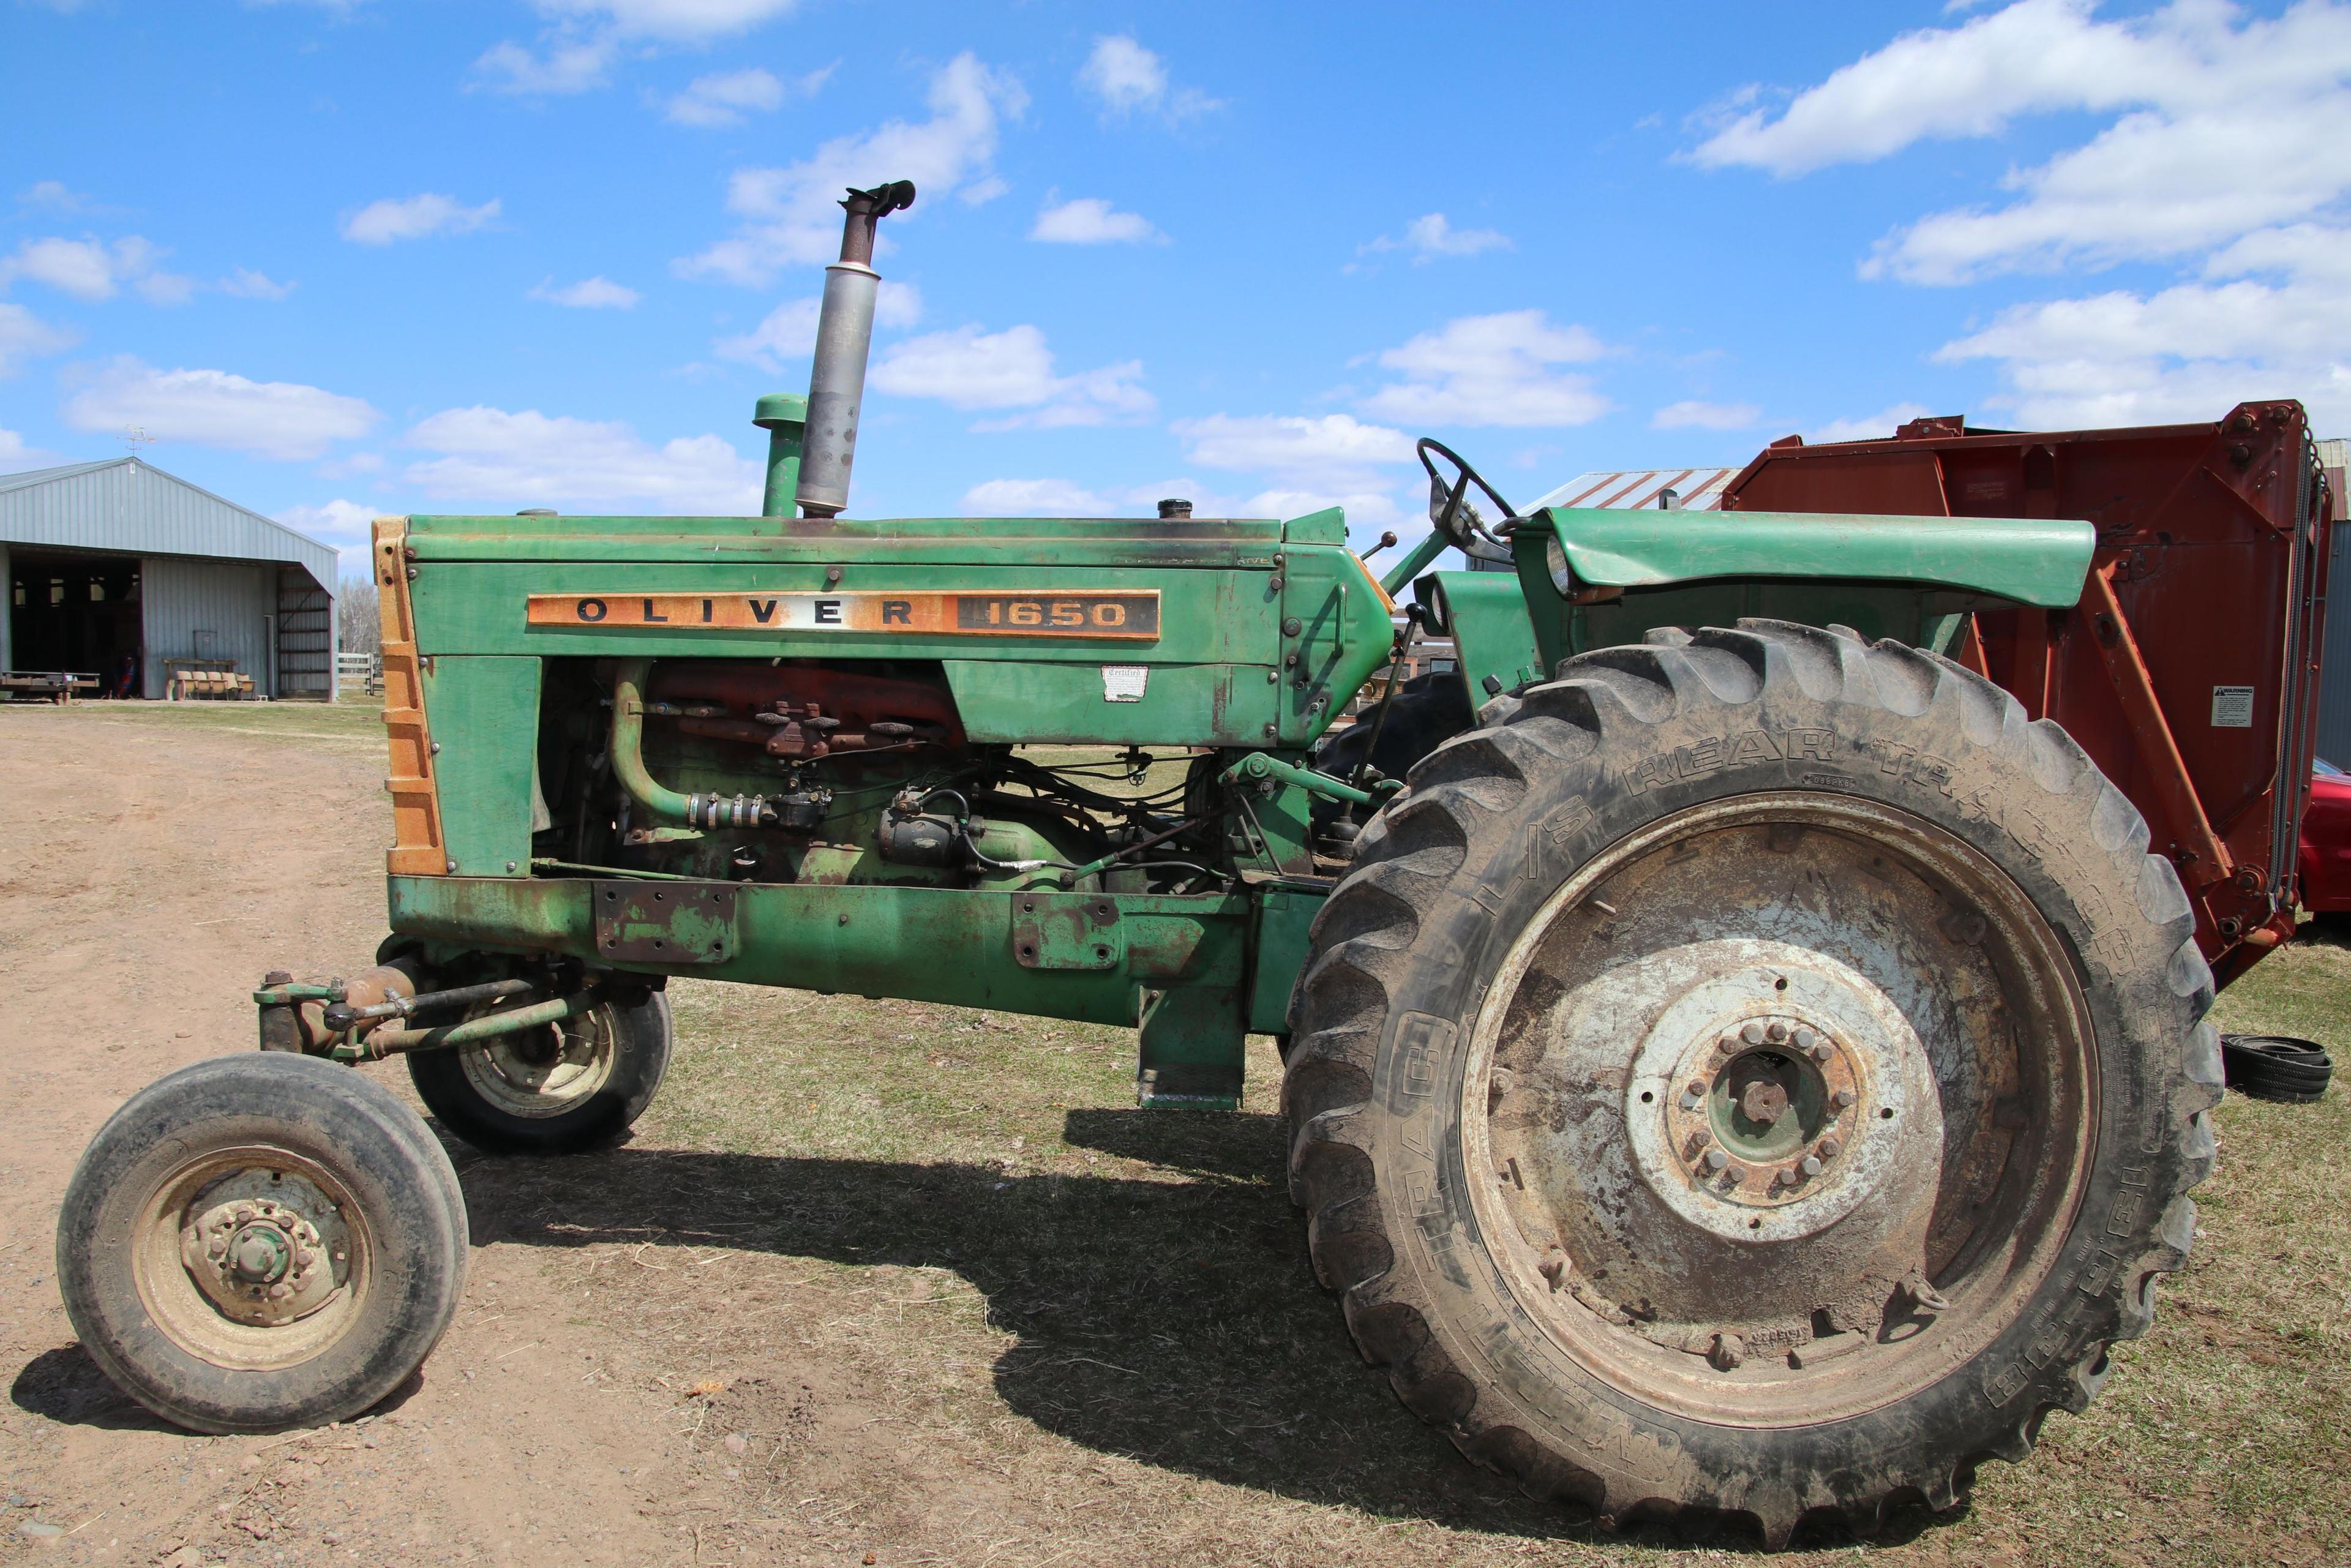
(1735, 1061)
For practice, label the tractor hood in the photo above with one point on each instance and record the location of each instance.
(2031, 560)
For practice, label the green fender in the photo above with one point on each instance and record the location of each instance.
(2028, 560)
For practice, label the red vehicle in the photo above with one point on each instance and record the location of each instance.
(2326, 859)
(2189, 670)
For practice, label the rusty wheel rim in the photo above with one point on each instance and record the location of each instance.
(1780, 1110)
(542, 1072)
(254, 1258)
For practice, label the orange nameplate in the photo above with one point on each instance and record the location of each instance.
(1132, 614)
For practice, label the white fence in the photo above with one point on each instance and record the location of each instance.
(358, 672)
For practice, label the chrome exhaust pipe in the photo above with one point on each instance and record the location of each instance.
(844, 338)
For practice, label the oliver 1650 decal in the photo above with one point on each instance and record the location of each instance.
(1130, 615)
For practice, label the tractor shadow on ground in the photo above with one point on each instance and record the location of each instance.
(1174, 1321)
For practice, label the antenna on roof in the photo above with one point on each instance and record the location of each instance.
(135, 437)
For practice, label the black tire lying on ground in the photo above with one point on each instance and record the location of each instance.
(1670, 906)
(557, 1089)
(261, 1242)
(2276, 1067)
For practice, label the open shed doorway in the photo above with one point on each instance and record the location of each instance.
(76, 612)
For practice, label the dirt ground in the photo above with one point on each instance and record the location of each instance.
(887, 1283)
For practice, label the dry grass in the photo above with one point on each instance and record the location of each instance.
(955, 1286)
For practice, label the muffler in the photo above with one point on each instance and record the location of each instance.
(844, 337)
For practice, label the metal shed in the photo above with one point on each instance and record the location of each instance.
(120, 570)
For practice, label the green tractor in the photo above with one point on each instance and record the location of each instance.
(1735, 1062)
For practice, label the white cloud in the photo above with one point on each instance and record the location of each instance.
(564, 64)
(725, 98)
(789, 331)
(586, 37)
(1492, 370)
(1036, 498)
(588, 294)
(16, 455)
(792, 215)
(493, 457)
(973, 370)
(54, 195)
(1089, 220)
(1127, 79)
(1870, 426)
(415, 217)
(89, 269)
(24, 335)
(1327, 451)
(670, 21)
(2215, 148)
(247, 284)
(2270, 317)
(1431, 236)
(282, 420)
(1692, 414)
(2227, 123)
(349, 526)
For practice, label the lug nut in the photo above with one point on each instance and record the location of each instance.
(1716, 1159)
(1775, 1031)
(1844, 1098)
(1821, 1051)
(1829, 1148)
(1734, 1175)
(1691, 1102)
(1752, 1031)
(1726, 1045)
(1696, 1088)
(1812, 1165)
(1805, 1038)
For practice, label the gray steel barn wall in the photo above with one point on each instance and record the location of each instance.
(2334, 663)
(233, 600)
(7, 603)
(124, 505)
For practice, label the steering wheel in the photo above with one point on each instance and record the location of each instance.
(1450, 508)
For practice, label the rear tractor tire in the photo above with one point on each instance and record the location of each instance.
(557, 1089)
(261, 1242)
(1756, 1073)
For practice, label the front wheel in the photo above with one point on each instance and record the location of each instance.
(261, 1242)
(556, 1089)
(1758, 1074)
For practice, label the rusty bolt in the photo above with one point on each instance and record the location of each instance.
(1805, 1038)
(1844, 1097)
(1752, 1031)
(1726, 1045)
(1696, 1087)
(1734, 1175)
(1716, 1159)
(1691, 1102)
(1822, 1050)
(1812, 1165)
(1553, 1268)
(1829, 1148)
(1775, 1031)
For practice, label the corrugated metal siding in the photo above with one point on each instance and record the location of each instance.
(234, 603)
(2334, 663)
(1695, 489)
(127, 506)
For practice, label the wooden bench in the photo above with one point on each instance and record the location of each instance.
(56, 687)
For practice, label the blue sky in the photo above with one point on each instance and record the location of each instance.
(385, 255)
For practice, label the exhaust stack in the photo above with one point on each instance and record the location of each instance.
(844, 337)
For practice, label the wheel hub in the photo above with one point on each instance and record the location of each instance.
(265, 1259)
(1773, 1093)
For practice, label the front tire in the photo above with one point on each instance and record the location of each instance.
(261, 1242)
(559, 1089)
(1756, 1073)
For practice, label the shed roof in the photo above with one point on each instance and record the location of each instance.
(123, 504)
(1695, 489)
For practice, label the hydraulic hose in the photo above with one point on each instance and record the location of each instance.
(628, 747)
